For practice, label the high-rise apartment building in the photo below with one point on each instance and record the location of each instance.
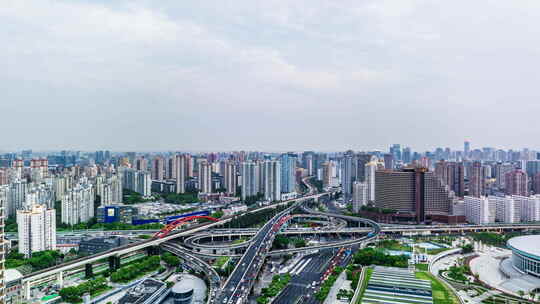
(78, 205)
(181, 161)
(170, 167)
(137, 181)
(500, 174)
(36, 229)
(17, 197)
(480, 210)
(272, 180)
(477, 180)
(516, 183)
(288, 170)
(507, 209)
(453, 175)
(158, 166)
(250, 179)
(205, 177)
(230, 177)
(360, 196)
(141, 164)
(369, 173)
(347, 174)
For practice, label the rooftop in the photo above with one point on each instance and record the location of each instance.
(527, 243)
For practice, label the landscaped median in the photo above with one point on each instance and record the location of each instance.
(278, 283)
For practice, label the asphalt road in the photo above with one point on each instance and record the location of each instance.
(299, 289)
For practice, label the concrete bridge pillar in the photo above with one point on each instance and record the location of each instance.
(60, 279)
(88, 270)
(26, 290)
(114, 263)
(152, 250)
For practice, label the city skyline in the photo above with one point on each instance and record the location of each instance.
(268, 76)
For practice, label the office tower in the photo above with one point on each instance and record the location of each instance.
(369, 170)
(308, 161)
(477, 180)
(288, 170)
(466, 149)
(479, 210)
(158, 166)
(17, 197)
(137, 181)
(205, 177)
(389, 161)
(361, 160)
(272, 180)
(500, 174)
(395, 151)
(181, 161)
(532, 167)
(347, 175)
(78, 205)
(230, 177)
(507, 209)
(36, 229)
(360, 197)
(416, 192)
(407, 155)
(516, 183)
(317, 161)
(170, 167)
(250, 179)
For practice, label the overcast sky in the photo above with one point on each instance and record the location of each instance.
(269, 75)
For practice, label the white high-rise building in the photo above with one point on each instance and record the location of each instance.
(479, 210)
(78, 205)
(137, 181)
(109, 190)
(230, 177)
(530, 207)
(17, 197)
(507, 209)
(181, 172)
(370, 169)
(37, 229)
(272, 180)
(250, 179)
(360, 195)
(205, 177)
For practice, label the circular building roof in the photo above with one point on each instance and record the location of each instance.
(527, 244)
(185, 284)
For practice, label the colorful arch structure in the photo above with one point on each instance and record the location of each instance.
(179, 222)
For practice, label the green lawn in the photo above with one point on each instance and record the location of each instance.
(422, 267)
(441, 294)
